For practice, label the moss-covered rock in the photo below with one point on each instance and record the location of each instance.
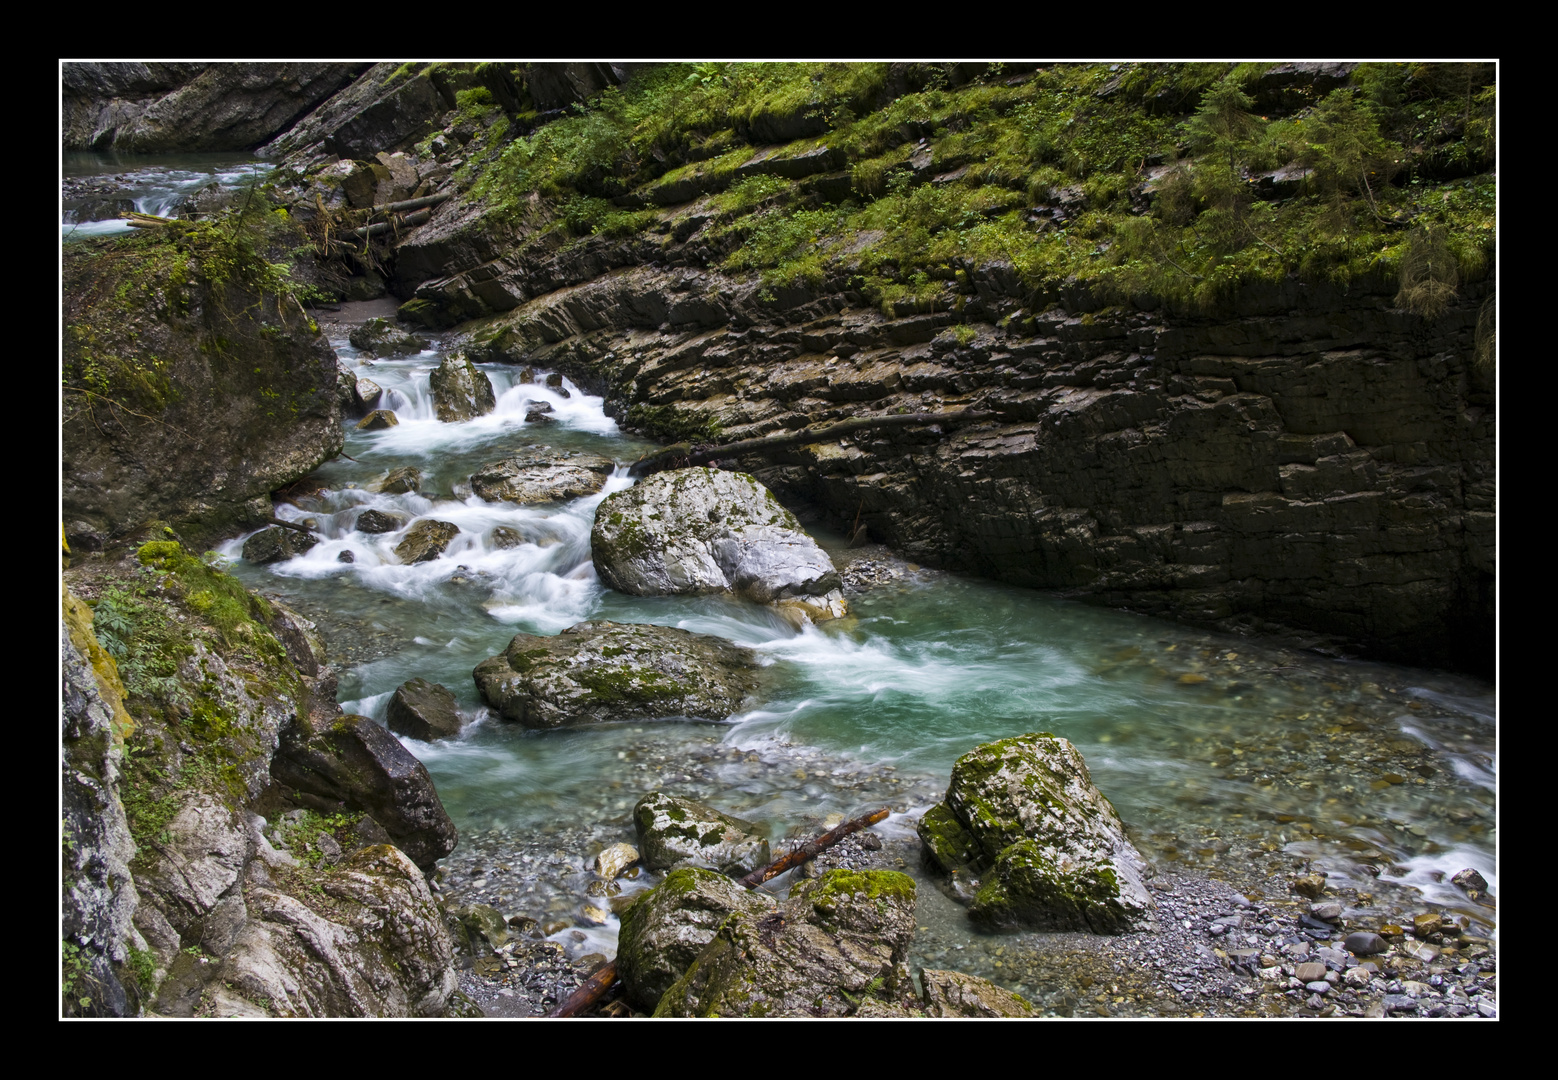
(426, 540)
(693, 531)
(666, 928)
(834, 948)
(381, 337)
(601, 671)
(673, 831)
(1053, 852)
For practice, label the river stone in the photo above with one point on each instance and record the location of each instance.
(691, 531)
(275, 544)
(836, 945)
(666, 928)
(383, 338)
(366, 394)
(401, 481)
(377, 521)
(460, 391)
(1365, 943)
(423, 710)
(505, 537)
(378, 420)
(542, 475)
(359, 763)
(673, 831)
(614, 859)
(1473, 884)
(426, 541)
(952, 993)
(594, 672)
(539, 412)
(1057, 852)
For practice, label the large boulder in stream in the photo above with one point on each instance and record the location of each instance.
(1022, 815)
(460, 391)
(381, 337)
(836, 947)
(423, 710)
(704, 531)
(426, 540)
(595, 672)
(673, 831)
(541, 474)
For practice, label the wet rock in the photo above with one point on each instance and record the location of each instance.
(275, 544)
(694, 531)
(479, 929)
(426, 540)
(378, 420)
(1310, 885)
(601, 671)
(1473, 884)
(1327, 910)
(423, 710)
(673, 832)
(366, 394)
(381, 337)
(540, 412)
(615, 859)
(460, 390)
(666, 928)
(1058, 855)
(542, 475)
(951, 993)
(401, 481)
(358, 763)
(505, 537)
(377, 521)
(836, 945)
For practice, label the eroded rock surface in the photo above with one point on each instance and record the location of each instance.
(705, 531)
(594, 672)
(1050, 850)
(460, 391)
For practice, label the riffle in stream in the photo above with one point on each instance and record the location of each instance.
(1227, 757)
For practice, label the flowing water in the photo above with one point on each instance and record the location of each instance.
(101, 187)
(1225, 756)
(1219, 752)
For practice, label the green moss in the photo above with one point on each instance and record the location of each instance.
(674, 422)
(872, 884)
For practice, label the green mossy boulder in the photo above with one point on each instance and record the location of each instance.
(836, 947)
(595, 672)
(666, 928)
(1052, 852)
(673, 831)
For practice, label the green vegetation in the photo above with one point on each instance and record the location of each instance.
(300, 835)
(1178, 181)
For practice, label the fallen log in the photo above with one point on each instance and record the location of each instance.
(595, 987)
(294, 526)
(704, 453)
(410, 221)
(409, 204)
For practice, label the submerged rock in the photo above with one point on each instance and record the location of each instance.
(275, 544)
(460, 391)
(704, 531)
(377, 521)
(599, 671)
(540, 475)
(836, 947)
(423, 710)
(1051, 851)
(426, 540)
(401, 481)
(673, 831)
(666, 928)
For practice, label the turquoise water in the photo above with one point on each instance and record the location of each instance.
(1217, 751)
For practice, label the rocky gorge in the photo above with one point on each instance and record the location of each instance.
(1304, 457)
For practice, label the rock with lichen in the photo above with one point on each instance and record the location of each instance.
(594, 672)
(673, 831)
(1033, 842)
(690, 531)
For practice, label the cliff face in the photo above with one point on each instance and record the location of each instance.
(1310, 458)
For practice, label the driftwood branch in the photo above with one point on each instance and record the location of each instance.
(700, 455)
(410, 221)
(595, 987)
(294, 526)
